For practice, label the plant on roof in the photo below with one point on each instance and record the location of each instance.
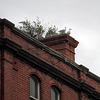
(36, 29)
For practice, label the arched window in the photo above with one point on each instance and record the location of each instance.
(55, 93)
(34, 88)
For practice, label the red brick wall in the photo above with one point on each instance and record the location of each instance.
(16, 82)
(90, 81)
(93, 83)
(16, 73)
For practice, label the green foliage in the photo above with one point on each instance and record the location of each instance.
(51, 30)
(36, 29)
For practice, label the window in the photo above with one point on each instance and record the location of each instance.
(34, 88)
(55, 94)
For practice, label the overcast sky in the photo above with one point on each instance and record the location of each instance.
(83, 16)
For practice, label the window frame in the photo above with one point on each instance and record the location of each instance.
(37, 81)
(56, 90)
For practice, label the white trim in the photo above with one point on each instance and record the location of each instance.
(33, 98)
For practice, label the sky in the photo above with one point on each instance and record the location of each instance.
(83, 16)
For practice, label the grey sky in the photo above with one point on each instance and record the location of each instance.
(83, 16)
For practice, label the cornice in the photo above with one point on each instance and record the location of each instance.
(6, 23)
(61, 38)
(90, 74)
(93, 76)
(46, 68)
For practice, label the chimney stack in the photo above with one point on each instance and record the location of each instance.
(62, 43)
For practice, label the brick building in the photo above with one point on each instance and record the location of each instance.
(42, 70)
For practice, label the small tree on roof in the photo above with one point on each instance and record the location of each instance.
(51, 31)
(36, 29)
